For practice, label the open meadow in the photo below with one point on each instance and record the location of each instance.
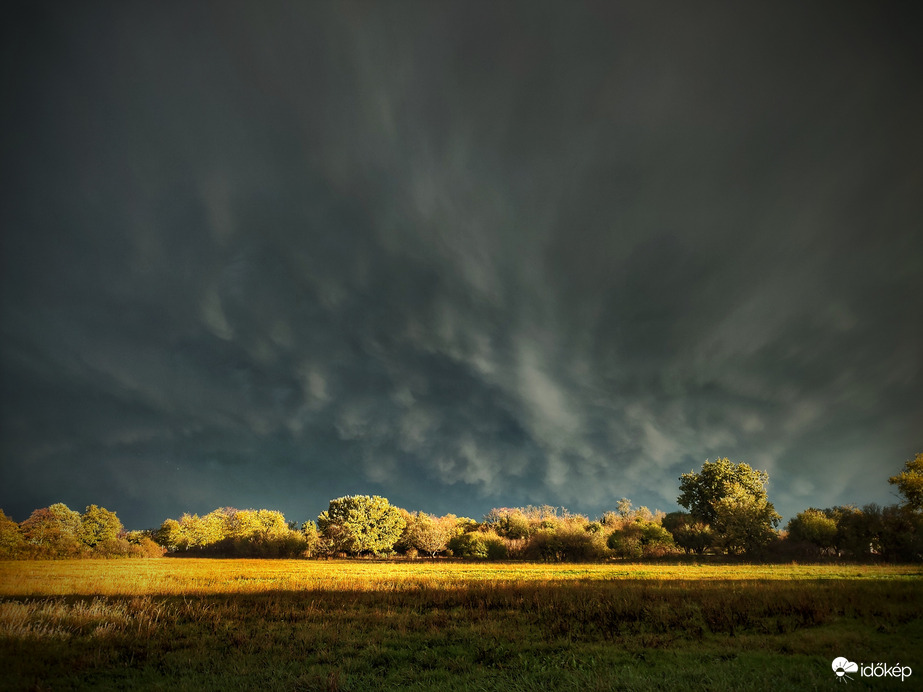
(208, 624)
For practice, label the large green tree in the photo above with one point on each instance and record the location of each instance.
(744, 523)
(701, 492)
(732, 499)
(910, 483)
(357, 524)
(98, 525)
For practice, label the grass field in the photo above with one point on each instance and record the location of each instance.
(198, 624)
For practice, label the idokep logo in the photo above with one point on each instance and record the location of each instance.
(843, 666)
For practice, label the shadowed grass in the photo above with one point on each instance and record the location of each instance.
(359, 626)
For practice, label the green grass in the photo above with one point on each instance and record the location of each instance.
(177, 624)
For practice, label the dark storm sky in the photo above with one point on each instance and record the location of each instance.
(461, 255)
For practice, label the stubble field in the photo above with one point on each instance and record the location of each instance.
(202, 624)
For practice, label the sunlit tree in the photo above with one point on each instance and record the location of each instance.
(744, 523)
(11, 540)
(909, 483)
(508, 522)
(429, 534)
(357, 524)
(170, 535)
(98, 525)
(312, 538)
(731, 498)
(701, 492)
(48, 535)
(67, 518)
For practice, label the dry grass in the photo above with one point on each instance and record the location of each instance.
(199, 624)
(203, 576)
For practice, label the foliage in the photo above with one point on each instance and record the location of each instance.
(479, 544)
(357, 524)
(519, 523)
(814, 527)
(146, 547)
(429, 534)
(135, 537)
(731, 498)
(312, 539)
(569, 541)
(640, 538)
(610, 520)
(856, 530)
(744, 523)
(170, 535)
(900, 534)
(233, 532)
(11, 539)
(98, 525)
(68, 519)
(909, 483)
(872, 532)
(48, 536)
(509, 523)
(701, 492)
(690, 535)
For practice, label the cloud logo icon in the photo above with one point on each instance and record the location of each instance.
(841, 666)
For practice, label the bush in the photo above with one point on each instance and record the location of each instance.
(641, 538)
(813, 528)
(479, 544)
(509, 523)
(690, 535)
(111, 547)
(568, 542)
(146, 547)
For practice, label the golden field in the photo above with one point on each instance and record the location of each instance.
(208, 624)
(204, 576)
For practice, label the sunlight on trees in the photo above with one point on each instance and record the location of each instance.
(910, 483)
(98, 525)
(731, 499)
(357, 524)
(11, 539)
(234, 532)
(729, 512)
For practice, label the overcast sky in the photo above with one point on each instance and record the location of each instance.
(462, 255)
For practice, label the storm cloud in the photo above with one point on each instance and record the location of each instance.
(459, 255)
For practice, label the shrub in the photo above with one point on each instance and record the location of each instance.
(568, 542)
(146, 547)
(814, 528)
(641, 539)
(479, 544)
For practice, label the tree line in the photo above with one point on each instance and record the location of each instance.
(58, 532)
(727, 512)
